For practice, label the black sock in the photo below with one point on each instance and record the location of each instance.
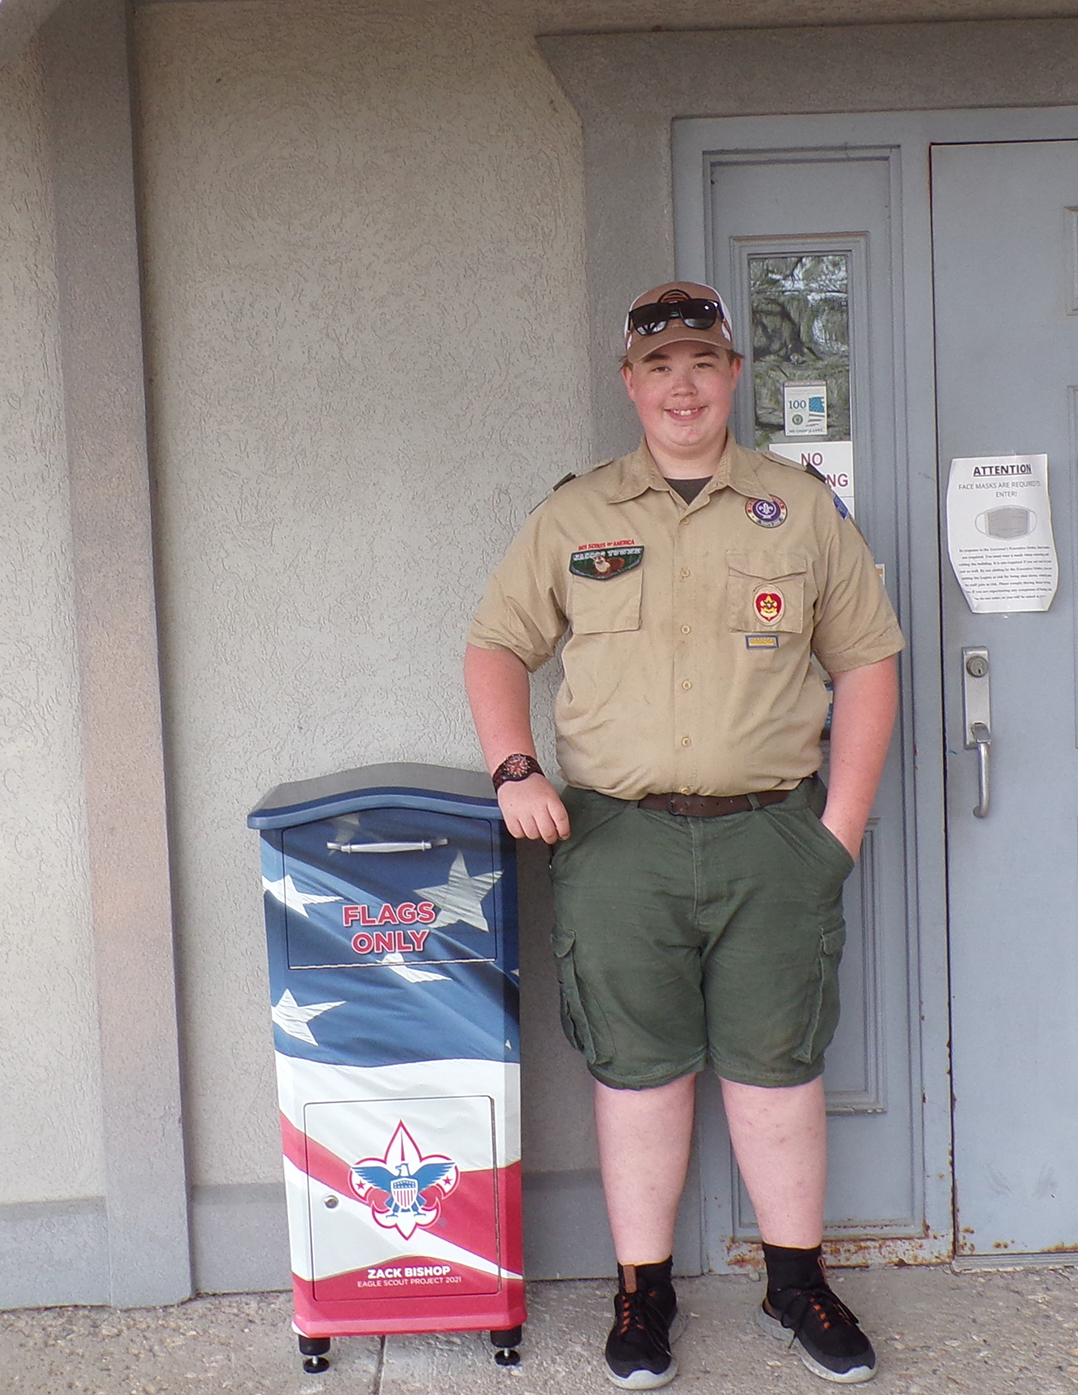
(792, 1268)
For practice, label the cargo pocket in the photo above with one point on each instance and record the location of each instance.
(605, 607)
(823, 1003)
(574, 1016)
(767, 591)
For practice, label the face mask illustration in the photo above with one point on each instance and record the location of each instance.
(1007, 522)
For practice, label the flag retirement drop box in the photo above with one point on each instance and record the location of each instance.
(391, 921)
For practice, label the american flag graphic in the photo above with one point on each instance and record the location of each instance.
(391, 927)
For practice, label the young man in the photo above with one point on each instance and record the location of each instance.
(700, 861)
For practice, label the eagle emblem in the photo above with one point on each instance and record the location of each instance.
(403, 1188)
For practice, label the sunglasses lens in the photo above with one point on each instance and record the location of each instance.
(694, 314)
(698, 314)
(649, 319)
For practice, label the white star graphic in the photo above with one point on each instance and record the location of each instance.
(461, 896)
(293, 1019)
(290, 895)
(395, 961)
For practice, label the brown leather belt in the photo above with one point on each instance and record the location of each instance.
(711, 806)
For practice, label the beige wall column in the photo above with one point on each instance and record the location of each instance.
(89, 98)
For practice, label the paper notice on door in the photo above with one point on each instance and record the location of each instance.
(999, 533)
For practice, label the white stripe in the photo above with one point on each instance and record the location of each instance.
(423, 1085)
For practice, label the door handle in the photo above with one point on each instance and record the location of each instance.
(977, 719)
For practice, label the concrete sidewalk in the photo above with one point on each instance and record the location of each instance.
(936, 1332)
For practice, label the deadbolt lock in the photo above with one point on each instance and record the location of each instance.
(977, 665)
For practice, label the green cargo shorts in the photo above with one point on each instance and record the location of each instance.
(681, 941)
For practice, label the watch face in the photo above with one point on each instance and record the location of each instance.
(516, 767)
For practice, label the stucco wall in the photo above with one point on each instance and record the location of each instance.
(49, 1099)
(367, 329)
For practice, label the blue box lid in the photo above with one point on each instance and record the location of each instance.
(397, 784)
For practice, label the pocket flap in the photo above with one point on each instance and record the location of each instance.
(767, 566)
(596, 608)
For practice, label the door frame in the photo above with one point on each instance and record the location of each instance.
(907, 139)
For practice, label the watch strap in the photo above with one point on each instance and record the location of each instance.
(515, 767)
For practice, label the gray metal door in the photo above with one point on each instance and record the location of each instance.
(1005, 251)
(803, 244)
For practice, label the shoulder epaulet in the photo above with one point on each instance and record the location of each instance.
(801, 465)
(571, 476)
(812, 470)
(555, 487)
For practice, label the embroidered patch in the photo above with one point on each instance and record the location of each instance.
(761, 641)
(603, 563)
(769, 605)
(768, 513)
(842, 509)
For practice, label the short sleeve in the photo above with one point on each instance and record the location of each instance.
(854, 623)
(523, 608)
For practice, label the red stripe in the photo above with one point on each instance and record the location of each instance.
(452, 1313)
(310, 1157)
(467, 1218)
(389, 1280)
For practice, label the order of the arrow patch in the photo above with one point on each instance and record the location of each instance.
(769, 605)
(603, 563)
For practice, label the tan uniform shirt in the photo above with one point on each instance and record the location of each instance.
(692, 627)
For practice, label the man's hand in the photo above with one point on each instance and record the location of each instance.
(532, 809)
(864, 713)
(497, 683)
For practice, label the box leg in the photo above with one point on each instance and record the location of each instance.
(506, 1343)
(313, 1350)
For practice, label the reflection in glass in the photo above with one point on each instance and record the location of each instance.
(800, 331)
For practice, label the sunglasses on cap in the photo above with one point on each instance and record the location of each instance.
(692, 312)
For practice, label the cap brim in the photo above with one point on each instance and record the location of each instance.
(641, 345)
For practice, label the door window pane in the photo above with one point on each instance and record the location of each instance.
(800, 333)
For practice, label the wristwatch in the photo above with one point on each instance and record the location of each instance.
(515, 767)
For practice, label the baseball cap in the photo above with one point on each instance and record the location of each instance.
(700, 315)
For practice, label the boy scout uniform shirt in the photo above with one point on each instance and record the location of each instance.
(691, 627)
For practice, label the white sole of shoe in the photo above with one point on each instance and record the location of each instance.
(774, 1328)
(644, 1380)
(648, 1380)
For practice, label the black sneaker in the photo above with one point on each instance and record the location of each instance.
(638, 1355)
(824, 1331)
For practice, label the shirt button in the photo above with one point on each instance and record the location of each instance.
(686, 629)
(686, 741)
(684, 789)
(685, 571)
(686, 685)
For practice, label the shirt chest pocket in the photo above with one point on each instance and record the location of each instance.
(767, 591)
(605, 607)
